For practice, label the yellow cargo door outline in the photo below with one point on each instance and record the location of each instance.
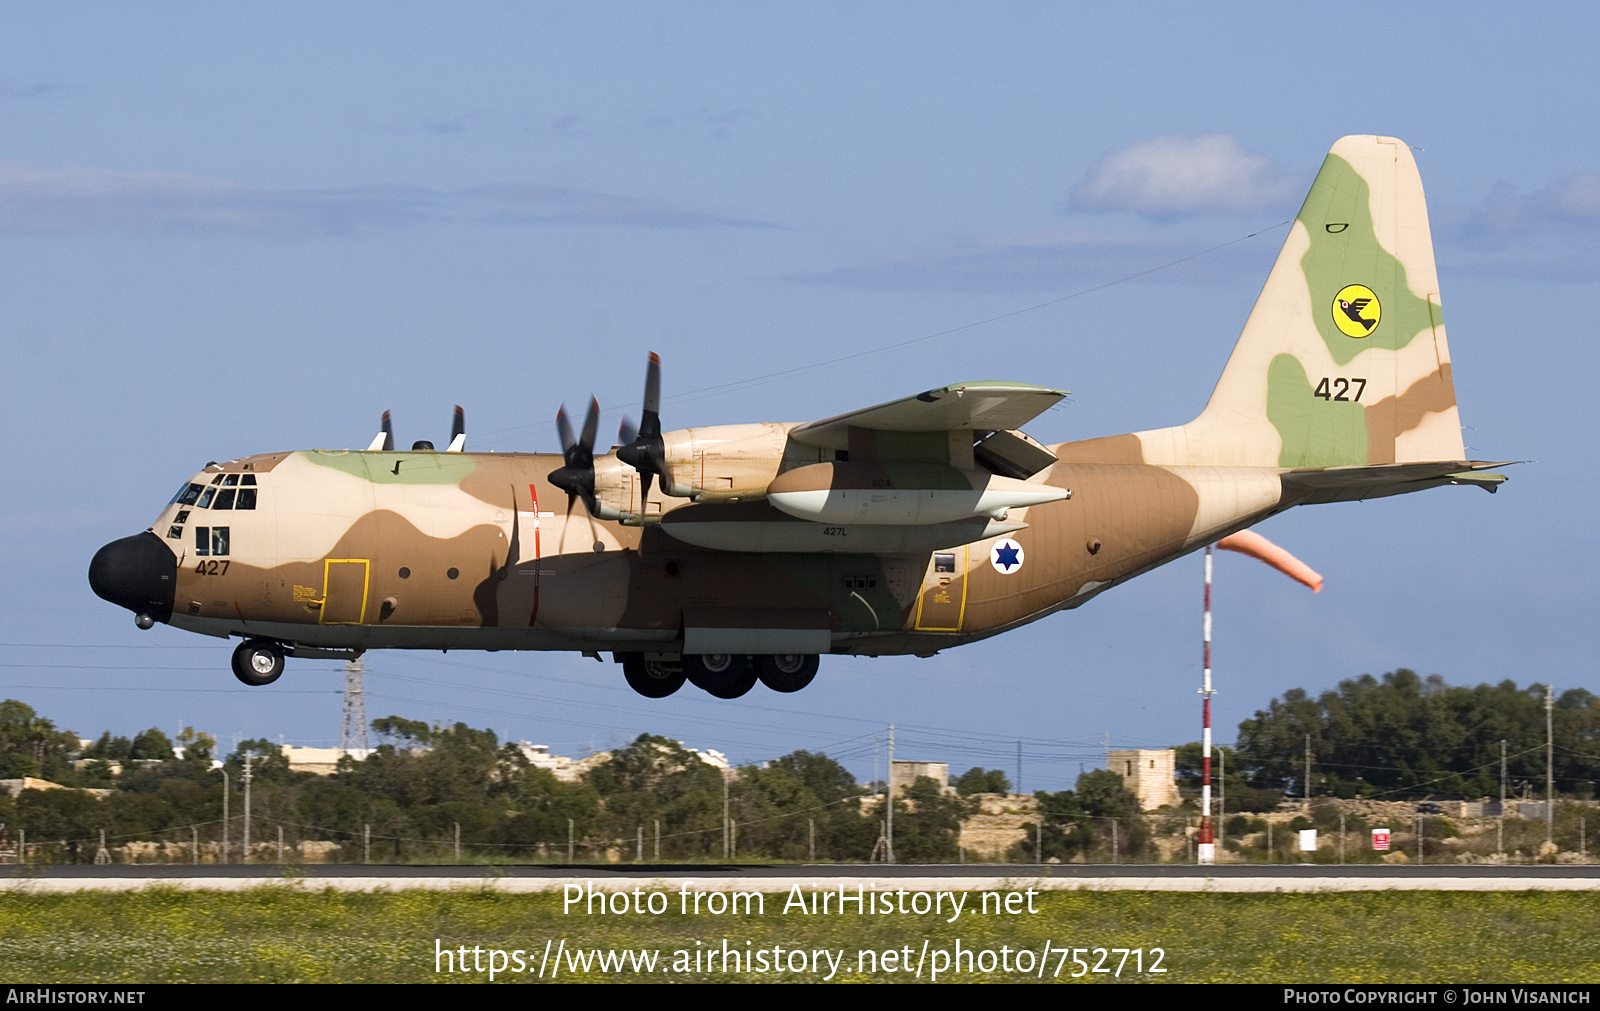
(366, 579)
(961, 613)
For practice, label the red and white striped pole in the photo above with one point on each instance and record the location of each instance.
(1208, 844)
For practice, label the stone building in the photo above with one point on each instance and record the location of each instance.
(1151, 775)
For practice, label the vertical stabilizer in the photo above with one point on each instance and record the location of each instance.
(1343, 361)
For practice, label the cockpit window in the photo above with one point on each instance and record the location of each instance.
(247, 499)
(224, 499)
(188, 496)
(205, 500)
(212, 541)
(230, 480)
(217, 479)
(248, 479)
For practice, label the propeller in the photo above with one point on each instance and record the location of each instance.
(458, 432)
(385, 437)
(576, 474)
(645, 451)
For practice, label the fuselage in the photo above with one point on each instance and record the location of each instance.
(339, 549)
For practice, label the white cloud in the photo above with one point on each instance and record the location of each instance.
(1570, 206)
(1176, 176)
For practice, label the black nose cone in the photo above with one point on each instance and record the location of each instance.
(138, 573)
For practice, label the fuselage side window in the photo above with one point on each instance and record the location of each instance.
(219, 541)
(202, 541)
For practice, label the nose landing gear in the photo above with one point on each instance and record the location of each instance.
(257, 662)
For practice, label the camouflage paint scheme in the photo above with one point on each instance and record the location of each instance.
(352, 550)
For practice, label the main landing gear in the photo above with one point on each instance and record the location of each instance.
(724, 675)
(257, 662)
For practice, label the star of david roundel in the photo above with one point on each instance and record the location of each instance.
(1006, 556)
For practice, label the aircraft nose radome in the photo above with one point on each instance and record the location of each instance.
(138, 573)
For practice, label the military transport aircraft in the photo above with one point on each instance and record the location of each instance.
(732, 554)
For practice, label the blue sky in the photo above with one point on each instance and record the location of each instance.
(229, 230)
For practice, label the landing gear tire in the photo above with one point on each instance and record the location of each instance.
(786, 672)
(257, 662)
(654, 679)
(725, 675)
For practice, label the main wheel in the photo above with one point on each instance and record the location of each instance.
(654, 679)
(787, 672)
(725, 675)
(257, 662)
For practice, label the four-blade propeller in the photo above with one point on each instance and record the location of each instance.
(576, 475)
(643, 450)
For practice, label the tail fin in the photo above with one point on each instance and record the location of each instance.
(1343, 361)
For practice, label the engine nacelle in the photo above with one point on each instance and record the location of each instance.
(726, 462)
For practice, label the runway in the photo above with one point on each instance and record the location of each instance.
(781, 878)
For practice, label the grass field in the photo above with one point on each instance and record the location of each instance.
(283, 933)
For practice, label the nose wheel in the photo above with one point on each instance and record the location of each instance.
(257, 662)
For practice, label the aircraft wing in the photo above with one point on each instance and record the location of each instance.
(982, 406)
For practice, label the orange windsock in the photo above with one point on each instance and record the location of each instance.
(1248, 542)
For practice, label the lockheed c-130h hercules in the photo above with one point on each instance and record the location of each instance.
(732, 554)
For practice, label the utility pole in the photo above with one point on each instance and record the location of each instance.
(1207, 850)
(1308, 776)
(1500, 830)
(1549, 764)
(1222, 790)
(226, 789)
(888, 847)
(458, 841)
(1019, 766)
(727, 841)
(246, 857)
(569, 840)
(353, 723)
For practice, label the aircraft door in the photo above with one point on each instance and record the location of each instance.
(344, 591)
(943, 603)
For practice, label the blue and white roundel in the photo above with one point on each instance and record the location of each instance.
(1006, 556)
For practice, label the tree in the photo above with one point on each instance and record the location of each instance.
(31, 745)
(976, 780)
(1066, 829)
(151, 744)
(1406, 734)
